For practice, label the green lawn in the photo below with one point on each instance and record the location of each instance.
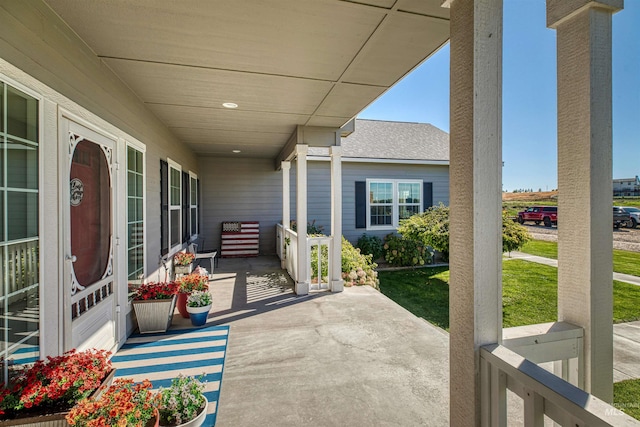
(625, 397)
(529, 294)
(626, 262)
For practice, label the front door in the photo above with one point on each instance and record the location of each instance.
(90, 300)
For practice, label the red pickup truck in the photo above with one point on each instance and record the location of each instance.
(545, 214)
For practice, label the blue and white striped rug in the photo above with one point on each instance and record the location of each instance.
(161, 357)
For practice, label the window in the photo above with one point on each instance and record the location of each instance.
(135, 213)
(193, 203)
(389, 201)
(19, 221)
(175, 205)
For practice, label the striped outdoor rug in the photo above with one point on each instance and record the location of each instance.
(161, 357)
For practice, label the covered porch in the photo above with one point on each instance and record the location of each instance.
(191, 113)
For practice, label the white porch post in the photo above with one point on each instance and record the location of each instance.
(337, 284)
(475, 183)
(286, 203)
(585, 293)
(302, 286)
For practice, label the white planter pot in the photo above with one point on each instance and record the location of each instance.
(199, 420)
(183, 269)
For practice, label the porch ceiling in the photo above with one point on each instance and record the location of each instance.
(284, 62)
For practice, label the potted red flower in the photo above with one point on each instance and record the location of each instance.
(153, 304)
(121, 404)
(186, 285)
(43, 393)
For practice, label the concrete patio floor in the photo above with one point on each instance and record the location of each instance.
(351, 358)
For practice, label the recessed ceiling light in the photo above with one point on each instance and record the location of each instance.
(229, 105)
(236, 151)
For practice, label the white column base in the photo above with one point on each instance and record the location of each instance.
(302, 288)
(337, 285)
(283, 264)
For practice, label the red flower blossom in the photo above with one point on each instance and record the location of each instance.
(57, 382)
(155, 290)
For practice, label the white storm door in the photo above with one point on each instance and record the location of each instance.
(88, 216)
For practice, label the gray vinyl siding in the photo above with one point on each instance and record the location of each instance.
(70, 76)
(319, 190)
(240, 190)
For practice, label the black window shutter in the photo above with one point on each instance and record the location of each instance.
(164, 207)
(186, 231)
(361, 204)
(427, 195)
(199, 206)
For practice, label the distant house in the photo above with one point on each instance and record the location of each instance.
(390, 171)
(626, 187)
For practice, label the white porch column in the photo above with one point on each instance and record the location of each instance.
(286, 203)
(475, 186)
(585, 293)
(302, 286)
(337, 284)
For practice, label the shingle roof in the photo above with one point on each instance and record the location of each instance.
(377, 139)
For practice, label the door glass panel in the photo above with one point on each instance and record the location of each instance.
(90, 197)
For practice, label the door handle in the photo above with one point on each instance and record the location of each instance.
(71, 258)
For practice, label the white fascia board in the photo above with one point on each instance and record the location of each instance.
(371, 160)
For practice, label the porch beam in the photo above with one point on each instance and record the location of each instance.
(286, 203)
(585, 259)
(335, 152)
(476, 188)
(302, 285)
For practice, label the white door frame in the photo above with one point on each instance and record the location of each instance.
(98, 326)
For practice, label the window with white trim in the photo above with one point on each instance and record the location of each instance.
(19, 228)
(135, 213)
(193, 203)
(175, 205)
(390, 201)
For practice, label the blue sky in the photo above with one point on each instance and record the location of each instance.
(529, 135)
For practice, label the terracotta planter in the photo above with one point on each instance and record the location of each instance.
(154, 315)
(199, 315)
(197, 421)
(57, 419)
(181, 304)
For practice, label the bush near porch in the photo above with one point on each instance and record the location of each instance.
(357, 268)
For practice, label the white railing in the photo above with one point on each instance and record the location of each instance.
(558, 342)
(319, 249)
(291, 253)
(21, 270)
(542, 392)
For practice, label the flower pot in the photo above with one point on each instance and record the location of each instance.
(183, 269)
(182, 304)
(197, 421)
(57, 419)
(154, 315)
(199, 315)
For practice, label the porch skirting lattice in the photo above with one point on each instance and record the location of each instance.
(163, 356)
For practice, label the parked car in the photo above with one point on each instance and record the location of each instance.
(545, 214)
(635, 216)
(620, 217)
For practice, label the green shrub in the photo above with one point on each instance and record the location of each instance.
(312, 228)
(370, 245)
(402, 252)
(357, 269)
(430, 228)
(514, 235)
